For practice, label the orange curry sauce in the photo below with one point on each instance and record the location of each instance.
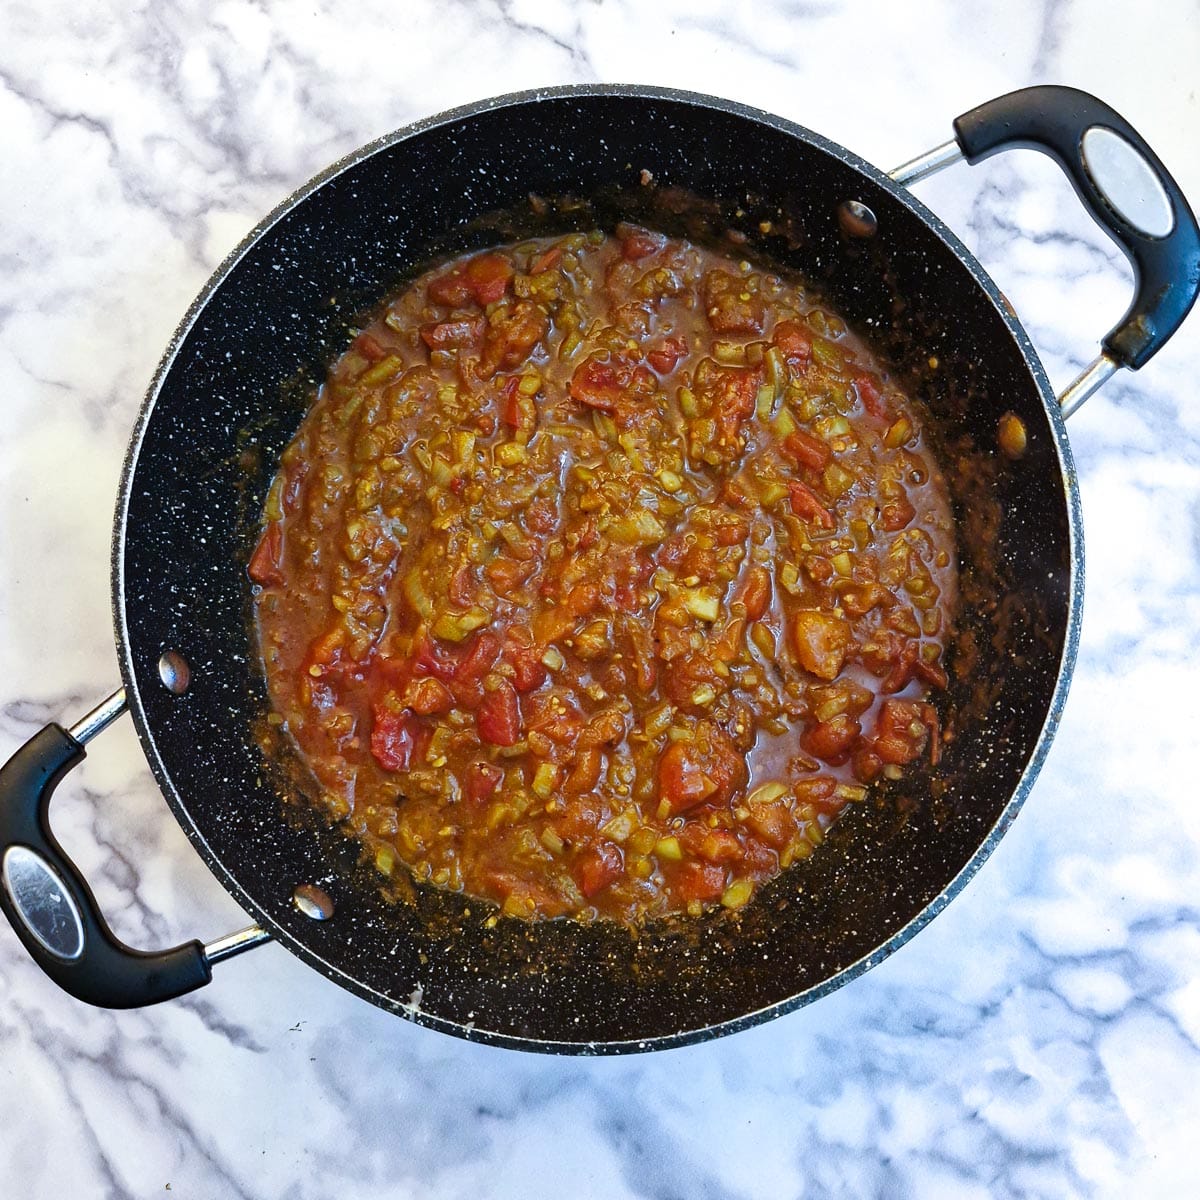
(603, 573)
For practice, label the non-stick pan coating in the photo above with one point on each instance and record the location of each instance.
(231, 392)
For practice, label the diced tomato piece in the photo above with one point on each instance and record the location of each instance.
(498, 717)
(265, 566)
(828, 740)
(528, 670)
(483, 279)
(507, 574)
(820, 641)
(729, 304)
(583, 598)
(597, 867)
(510, 409)
(480, 657)
(546, 260)
(393, 737)
(665, 357)
(700, 881)
(370, 347)
(427, 696)
(772, 822)
(865, 763)
(601, 381)
(639, 243)
(794, 342)
(708, 768)
(686, 674)
(542, 515)
(713, 845)
(430, 659)
(895, 514)
(754, 593)
(483, 780)
(511, 335)
(871, 396)
(901, 732)
(807, 450)
(460, 589)
(728, 393)
(909, 665)
(452, 335)
(807, 505)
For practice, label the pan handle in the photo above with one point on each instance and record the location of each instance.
(49, 904)
(1126, 189)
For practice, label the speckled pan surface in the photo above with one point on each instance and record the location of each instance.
(231, 390)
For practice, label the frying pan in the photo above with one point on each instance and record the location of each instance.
(230, 392)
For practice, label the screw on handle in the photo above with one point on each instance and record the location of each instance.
(52, 909)
(1080, 132)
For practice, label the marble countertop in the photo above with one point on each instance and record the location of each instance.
(1040, 1038)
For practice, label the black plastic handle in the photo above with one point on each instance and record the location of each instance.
(50, 905)
(1166, 269)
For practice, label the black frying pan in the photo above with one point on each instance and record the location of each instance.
(232, 388)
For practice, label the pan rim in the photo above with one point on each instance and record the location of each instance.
(1008, 813)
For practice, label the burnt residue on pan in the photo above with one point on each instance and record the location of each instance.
(286, 305)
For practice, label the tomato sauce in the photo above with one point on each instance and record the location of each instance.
(603, 573)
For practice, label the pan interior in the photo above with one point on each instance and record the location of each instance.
(231, 393)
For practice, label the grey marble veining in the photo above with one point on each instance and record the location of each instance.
(1040, 1038)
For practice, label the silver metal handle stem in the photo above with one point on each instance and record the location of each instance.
(100, 718)
(233, 944)
(1087, 383)
(927, 164)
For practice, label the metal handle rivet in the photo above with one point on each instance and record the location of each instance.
(174, 672)
(313, 902)
(856, 219)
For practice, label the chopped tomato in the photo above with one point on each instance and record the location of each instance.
(607, 382)
(370, 347)
(895, 514)
(754, 593)
(820, 640)
(807, 450)
(510, 411)
(713, 845)
(428, 696)
(394, 737)
(597, 867)
(871, 396)
(483, 780)
(773, 823)
(794, 342)
(665, 357)
(431, 659)
(498, 717)
(807, 505)
(728, 393)
(545, 261)
(507, 574)
(528, 670)
(730, 304)
(708, 768)
(480, 657)
(830, 739)
(265, 563)
(511, 335)
(902, 731)
(700, 881)
(639, 243)
(452, 335)
(484, 279)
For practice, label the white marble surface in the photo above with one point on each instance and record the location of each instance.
(1040, 1038)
